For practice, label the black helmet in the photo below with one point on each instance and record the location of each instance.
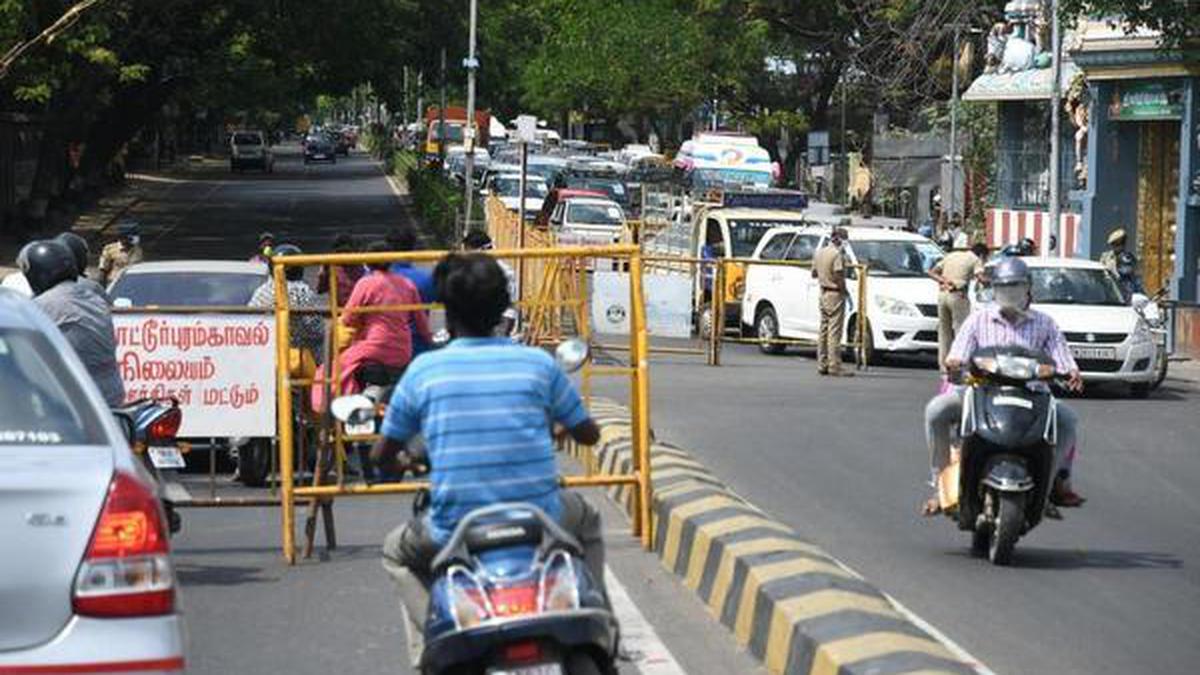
(1026, 247)
(1126, 264)
(79, 249)
(283, 250)
(48, 263)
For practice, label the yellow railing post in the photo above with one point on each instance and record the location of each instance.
(284, 421)
(717, 311)
(860, 347)
(641, 399)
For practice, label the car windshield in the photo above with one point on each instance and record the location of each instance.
(509, 187)
(594, 214)
(718, 178)
(454, 132)
(40, 401)
(247, 139)
(1074, 286)
(897, 258)
(548, 172)
(746, 234)
(186, 288)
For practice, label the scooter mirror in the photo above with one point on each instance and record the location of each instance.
(349, 408)
(572, 354)
(441, 338)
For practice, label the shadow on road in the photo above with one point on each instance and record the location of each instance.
(221, 575)
(1063, 559)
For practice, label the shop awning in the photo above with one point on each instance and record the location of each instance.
(1027, 85)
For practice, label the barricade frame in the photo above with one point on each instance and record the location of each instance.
(637, 371)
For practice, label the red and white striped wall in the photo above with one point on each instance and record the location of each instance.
(1008, 226)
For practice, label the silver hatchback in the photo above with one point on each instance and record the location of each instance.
(86, 583)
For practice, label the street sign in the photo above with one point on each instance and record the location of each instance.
(470, 63)
(526, 128)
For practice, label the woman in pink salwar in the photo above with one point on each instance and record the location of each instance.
(382, 340)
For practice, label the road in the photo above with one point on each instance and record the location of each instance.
(1115, 588)
(246, 611)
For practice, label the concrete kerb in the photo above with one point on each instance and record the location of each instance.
(787, 601)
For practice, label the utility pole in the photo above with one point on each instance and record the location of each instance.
(845, 197)
(1055, 121)
(441, 128)
(953, 196)
(470, 133)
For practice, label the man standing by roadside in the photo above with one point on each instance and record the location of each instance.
(953, 274)
(118, 255)
(829, 269)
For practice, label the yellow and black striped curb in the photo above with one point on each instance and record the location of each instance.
(789, 602)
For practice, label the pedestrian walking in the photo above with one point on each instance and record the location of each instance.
(953, 274)
(125, 251)
(829, 269)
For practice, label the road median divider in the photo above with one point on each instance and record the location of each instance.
(786, 600)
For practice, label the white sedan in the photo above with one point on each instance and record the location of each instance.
(507, 187)
(1109, 339)
(782, 301)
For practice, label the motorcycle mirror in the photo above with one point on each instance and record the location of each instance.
(345, 407)
(572, 354)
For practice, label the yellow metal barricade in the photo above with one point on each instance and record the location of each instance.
(554, 306)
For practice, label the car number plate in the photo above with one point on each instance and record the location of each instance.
(166, 457)
(1094, 352)
(318, 156)
(361, 429)
(536, 669)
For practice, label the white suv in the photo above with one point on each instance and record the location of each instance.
(782, 301)
(250, 149)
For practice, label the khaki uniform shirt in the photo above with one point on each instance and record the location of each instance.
(959, 268)
(829, 266)
(1109, 260)
(113, 259)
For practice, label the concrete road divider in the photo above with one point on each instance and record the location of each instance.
(790, 603)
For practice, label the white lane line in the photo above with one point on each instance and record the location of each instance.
(391, 183)
(638, 638)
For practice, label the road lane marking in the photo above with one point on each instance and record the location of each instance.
(639, 640)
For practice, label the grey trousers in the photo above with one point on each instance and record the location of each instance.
(944, 412)
(829, 342)
(408, 550)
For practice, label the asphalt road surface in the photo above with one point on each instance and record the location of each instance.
(1115, 588)
(246, 611)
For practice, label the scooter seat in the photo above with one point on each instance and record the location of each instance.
(504, 533)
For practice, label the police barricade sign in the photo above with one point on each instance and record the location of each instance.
(668, 300)
(220, 367)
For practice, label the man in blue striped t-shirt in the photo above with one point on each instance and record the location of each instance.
(485, 406)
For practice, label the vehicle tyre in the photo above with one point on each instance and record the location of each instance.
(1010, 514)
(766, 328)
(582, 663)
(852, 336)
(254, 462)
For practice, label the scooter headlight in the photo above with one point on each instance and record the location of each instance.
(986, 364)
(1017, 367)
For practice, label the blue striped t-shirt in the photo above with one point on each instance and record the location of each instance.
(485, 406)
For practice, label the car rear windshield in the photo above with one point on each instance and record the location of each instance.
(594, 214)
(247, 139)
(41, 402)
(186, 288)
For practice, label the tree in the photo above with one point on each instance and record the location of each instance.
(1177, 20)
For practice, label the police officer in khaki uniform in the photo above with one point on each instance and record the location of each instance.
(953, 274)
(120, 254)
(1116, 246)
(829, 269)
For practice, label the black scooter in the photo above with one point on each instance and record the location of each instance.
(1008, 433)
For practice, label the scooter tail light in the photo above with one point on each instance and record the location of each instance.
(469, 603)
(165, 426)
(516, 600)
(522, 652)
(559, 584)
(126, 571)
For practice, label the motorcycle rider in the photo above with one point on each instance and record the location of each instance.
(83, 317)
(307, 331)
(1009, 321)
(79, 248)
(485, 406)
(478, 240)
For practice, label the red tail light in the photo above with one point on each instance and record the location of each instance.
(126, 571)
(522, 652)
(165, 427)
(514, 600)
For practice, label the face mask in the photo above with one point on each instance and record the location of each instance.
(1012, 298)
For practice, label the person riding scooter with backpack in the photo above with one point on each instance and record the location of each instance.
(485, 406)
(1009, 321)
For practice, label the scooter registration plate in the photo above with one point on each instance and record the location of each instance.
(536, 669)
(364, 429)
(166, 457)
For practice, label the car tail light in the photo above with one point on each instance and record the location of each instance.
(165, 426)
(126, 571)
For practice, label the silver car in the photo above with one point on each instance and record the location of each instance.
(86, 582)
